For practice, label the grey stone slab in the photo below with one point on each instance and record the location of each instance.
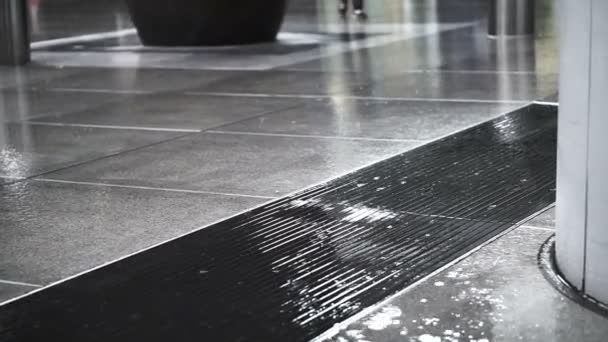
(30, 76)
(122, 79)
(241, 164)
(497, 294)
(20, 105)
(27, 150)
(51, 231)
(10, 291)
(545, 219)
(373, 119)
(476, 86)
(455, 50)
(288, 82)
(176, 111)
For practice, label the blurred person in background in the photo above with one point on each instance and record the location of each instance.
(358, 11)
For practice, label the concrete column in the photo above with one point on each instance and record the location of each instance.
(14, 32)
(582, 177)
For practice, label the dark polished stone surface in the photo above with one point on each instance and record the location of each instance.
(258, 165)
(339, 117)
(309, 260)
(27, 150)
(51, 231)
(175, 111)
(497, 294)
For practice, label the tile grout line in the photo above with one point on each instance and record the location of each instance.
(133, 128)
(61, 281)
(111, 185)
(264, 113)
(434, 71)
(77, 164)
(19, 283)
(301, 96)
(377, 98)
(98, 90)
(312, 136)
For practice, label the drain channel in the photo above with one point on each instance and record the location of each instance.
(291, 269)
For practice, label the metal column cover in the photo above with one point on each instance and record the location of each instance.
(14, 33)
(511, 17)
(582, 188)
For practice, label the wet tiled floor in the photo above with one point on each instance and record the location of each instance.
(124, 147)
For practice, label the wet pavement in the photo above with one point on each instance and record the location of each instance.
(496, 294)
(108, 147)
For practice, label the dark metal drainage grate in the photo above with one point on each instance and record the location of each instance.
(291, 269)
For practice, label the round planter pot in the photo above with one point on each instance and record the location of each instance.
(206, 22)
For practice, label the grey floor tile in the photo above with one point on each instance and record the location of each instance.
(176, 111)
(20, 105)
(459, 49)
(30, 76)
(10, 291)
(440, 85)
(455, 50)
(373, 119)
(51, 231)
(134, 80)
(27, 150)
(545, 219)
(288, 82)
(497, 294)
(241, 164)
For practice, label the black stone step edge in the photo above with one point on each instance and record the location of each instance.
(338, 327)
(548, 266)
(294, 193)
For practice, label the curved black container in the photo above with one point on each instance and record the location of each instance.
(206, 22)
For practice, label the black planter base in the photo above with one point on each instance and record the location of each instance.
(206, 22)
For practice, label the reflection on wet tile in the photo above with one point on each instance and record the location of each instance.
(25, 77)
(545, 219)
(475, 86)
(287, 82)
(27, 150)
(8, 291)
(176, 111)
(497, 294)
(257, 165)
(373, 119)
(23, 105)
(134, 80)
(51, 231)
(457, 50)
